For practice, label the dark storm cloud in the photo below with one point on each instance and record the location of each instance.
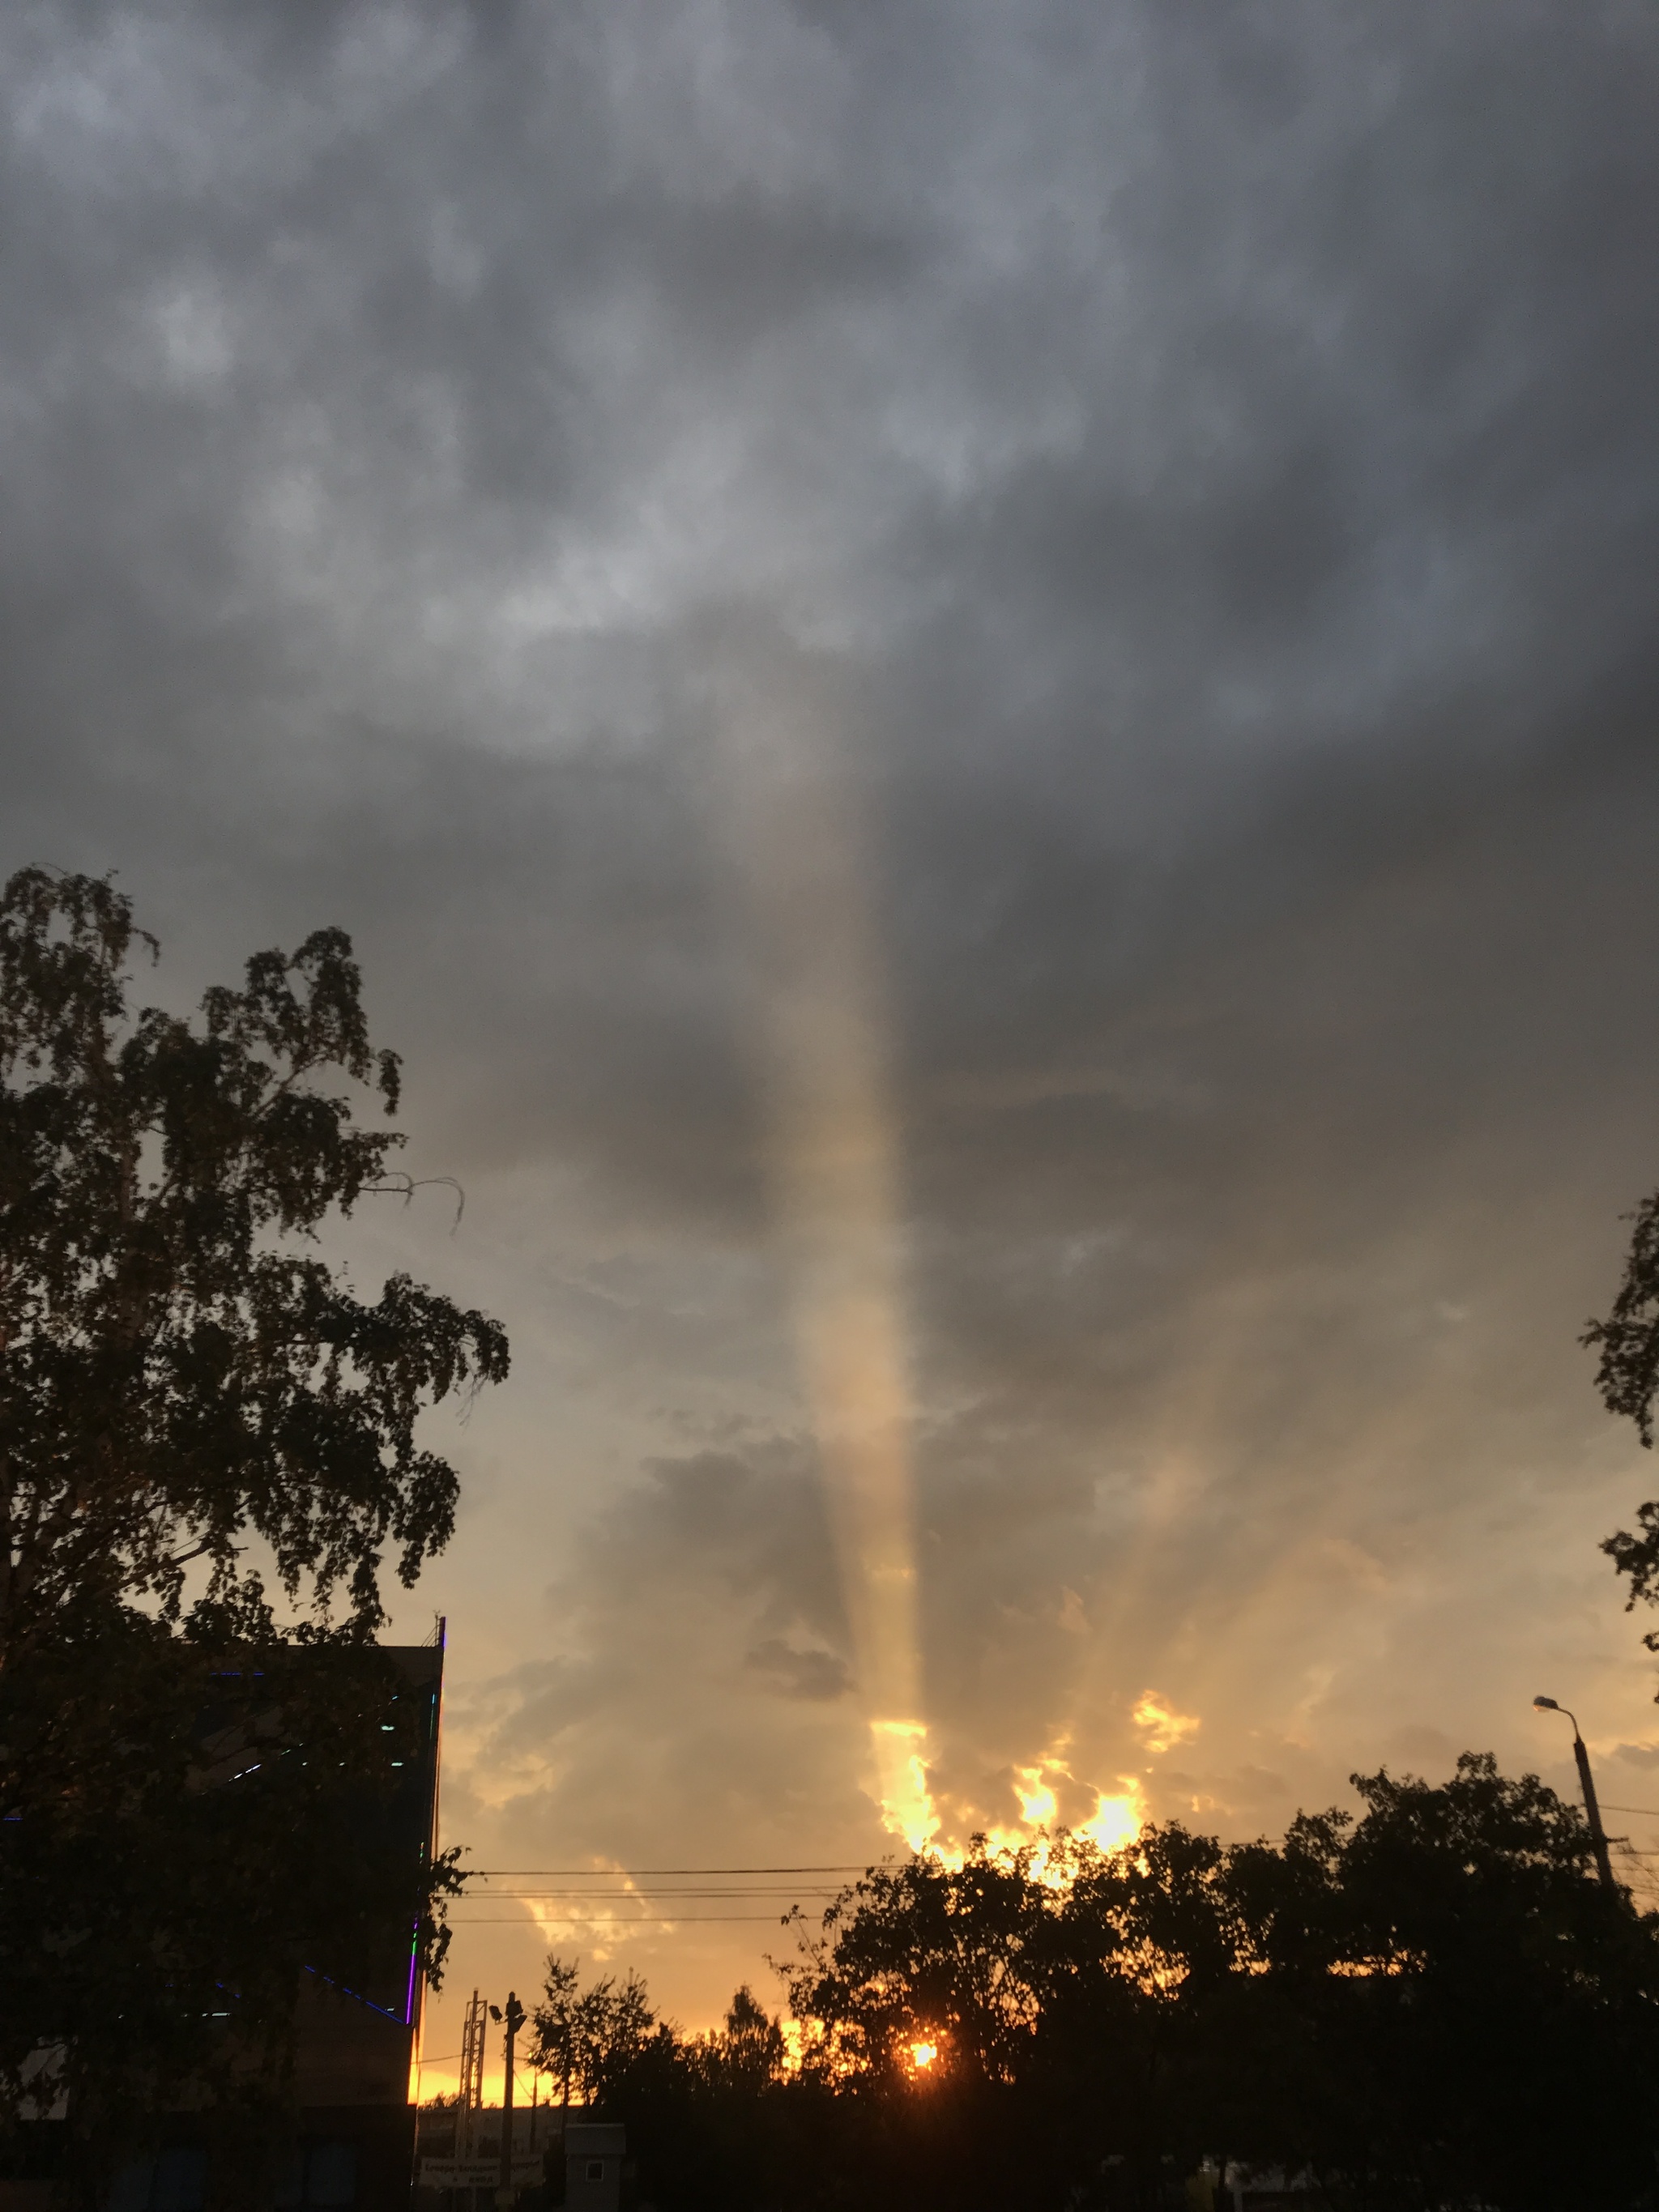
(813, 1674)
(1212, 451)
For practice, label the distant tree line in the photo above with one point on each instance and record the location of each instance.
(1435, 2005)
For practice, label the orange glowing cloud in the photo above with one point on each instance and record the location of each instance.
(1161, 1726)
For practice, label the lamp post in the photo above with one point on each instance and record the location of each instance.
(512, 2019)
(1598, 1841)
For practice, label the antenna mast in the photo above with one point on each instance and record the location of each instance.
(472, 2060)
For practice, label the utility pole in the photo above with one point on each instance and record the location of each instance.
(1598, 1840)
(512, 2019)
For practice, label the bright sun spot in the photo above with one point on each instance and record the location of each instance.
(1116, 1820)
(922, 2056)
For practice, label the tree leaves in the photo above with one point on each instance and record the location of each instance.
(174, 1379)
(1627, 1376)
(587, 2038)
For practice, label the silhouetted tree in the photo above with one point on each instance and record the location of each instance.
(1627, 1376)
(586, 2038)
(922, 1957)
(179, 1372)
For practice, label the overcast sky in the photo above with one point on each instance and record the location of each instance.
(1108, 549)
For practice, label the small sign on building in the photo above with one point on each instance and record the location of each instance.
(478, 2173)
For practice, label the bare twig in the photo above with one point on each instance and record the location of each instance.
(405, 1186)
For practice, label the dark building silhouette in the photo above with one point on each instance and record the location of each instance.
(354, 2144)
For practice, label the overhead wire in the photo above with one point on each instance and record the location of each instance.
(680, 1889)
(638, 1920)
(489, 1874)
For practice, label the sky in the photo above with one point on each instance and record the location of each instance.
(980, 684)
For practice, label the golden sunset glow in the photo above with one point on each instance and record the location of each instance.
(1047, 1792)
(922, 2056)
(1116, 1820)
(1038, 1802)
(907, 1809)
(1161, 1726)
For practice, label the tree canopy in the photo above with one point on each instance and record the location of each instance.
(1627, 1376)
(179, 1370)
(586, 2038)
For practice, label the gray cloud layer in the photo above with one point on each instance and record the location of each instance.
(1210, 453)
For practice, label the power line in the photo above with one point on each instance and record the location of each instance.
(620, 1896)
(488, 1874)
(1647, 1811)
(640, 1920)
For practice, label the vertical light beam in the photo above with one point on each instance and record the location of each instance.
(833, 1157)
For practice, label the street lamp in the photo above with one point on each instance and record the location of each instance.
(511, 2020)
(1599, 1842)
